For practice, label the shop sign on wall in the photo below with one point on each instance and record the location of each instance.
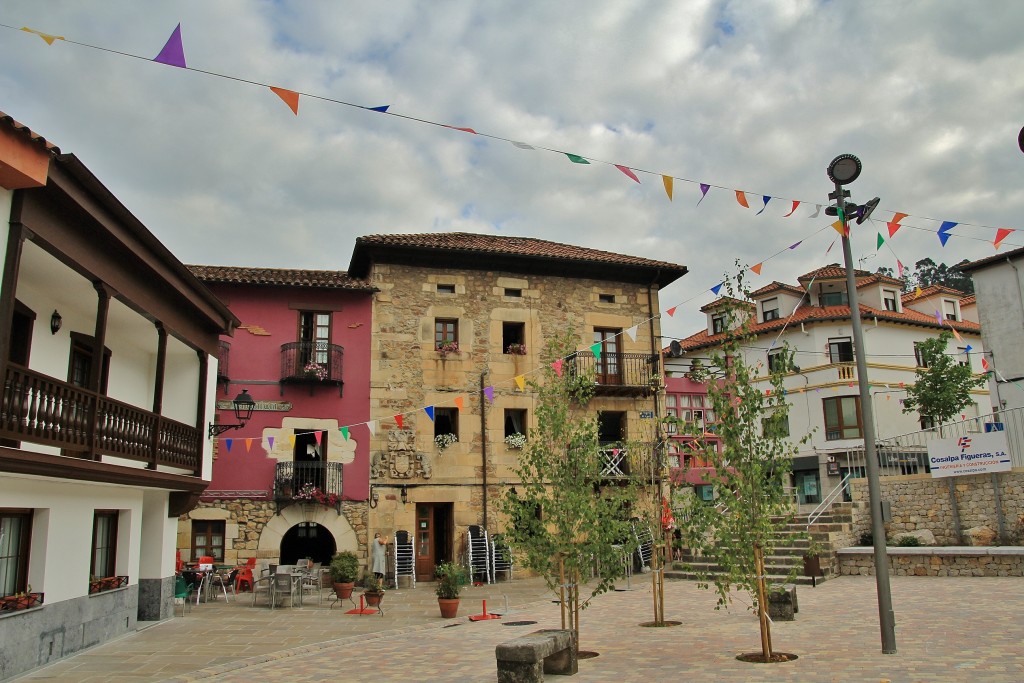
(280, 406)
(971, 454)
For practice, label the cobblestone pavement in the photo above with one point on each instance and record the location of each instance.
(947, 629)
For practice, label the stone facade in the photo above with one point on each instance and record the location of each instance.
(936, 561)
(921, 502)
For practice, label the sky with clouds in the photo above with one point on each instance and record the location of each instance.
(755, 96)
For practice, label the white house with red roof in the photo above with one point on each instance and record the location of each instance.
(813, 319)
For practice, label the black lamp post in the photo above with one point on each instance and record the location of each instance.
(243, 406)
(844, 169)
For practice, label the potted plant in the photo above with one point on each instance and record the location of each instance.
(446, 347)
(20, 601)
(373, 590)
(516, 349)
(344, 570)
(443, 441)
(314, 371)
(283, 487)
(451, 578)
(515, 441)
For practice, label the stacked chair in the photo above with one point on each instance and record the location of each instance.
(501, 557)
(405, 558)
(645, 543)
(479, 555)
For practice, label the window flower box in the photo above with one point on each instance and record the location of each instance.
(516, 441)
(446, 347)
(107, 583)
(443, 441)
(20, 601)
(516, 349)
(314, 371)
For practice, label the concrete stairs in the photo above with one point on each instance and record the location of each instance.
(831, 530)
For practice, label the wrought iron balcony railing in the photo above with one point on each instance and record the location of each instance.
(314, 483)
(311, 363)
(617, 374)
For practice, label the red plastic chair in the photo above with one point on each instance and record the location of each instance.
(244, 575)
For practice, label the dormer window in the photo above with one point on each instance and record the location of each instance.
(718, 323)
(770, 309)
(949, 311)
(833, 298)
(889, 298)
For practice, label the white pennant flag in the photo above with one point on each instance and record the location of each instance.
(632, 332)
(372, 426)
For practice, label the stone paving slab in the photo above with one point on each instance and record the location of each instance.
(948, 629)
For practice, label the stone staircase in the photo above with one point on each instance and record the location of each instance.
(831, 530)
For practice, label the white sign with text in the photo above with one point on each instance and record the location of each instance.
(971, 454)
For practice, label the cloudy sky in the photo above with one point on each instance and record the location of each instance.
(754, 96)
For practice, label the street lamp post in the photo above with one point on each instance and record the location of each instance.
(843, 170)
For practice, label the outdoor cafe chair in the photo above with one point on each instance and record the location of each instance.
(263, 586)
(182, 590)
(284, 585)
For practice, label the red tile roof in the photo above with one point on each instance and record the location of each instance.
(474, 248)
(279, 277)
(777, 286)
(968, 300)
(998, 259)
(931, 291)
(829, 272)
(29, 133)
(723, 301)
(878, 278)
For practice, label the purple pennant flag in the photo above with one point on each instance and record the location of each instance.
(703, 192)
(717, 288)
(938, 316)
(489, 393)
(173, 54)
(766, 198)
(270, 442)
(429, 410)
(794, 246)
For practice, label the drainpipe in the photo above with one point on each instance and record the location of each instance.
(483, 443)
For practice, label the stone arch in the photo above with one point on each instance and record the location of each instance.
(344, 535)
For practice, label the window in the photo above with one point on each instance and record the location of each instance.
(671, 413)
(446, 421)
(842, 418)
(775, 361)
(608, 365)
(606, 298)
(927, 422)
(104, 544)
(513, 293)
(775, 425)
(15, 542)
(208, 539)
(513, 338)
(770, 309)
(446, 331)
(922, 360)
(718, 323)
(697, 408)
(889, 298)
(446, 289)
(515, 421)
(80, 364)
(315, 335)
(961, 351)
(840, 350)
(833, 298)
(949, 310)
(611, 427)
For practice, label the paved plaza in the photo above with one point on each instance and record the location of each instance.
(948, 629)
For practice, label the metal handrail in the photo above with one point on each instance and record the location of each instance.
(827, 502)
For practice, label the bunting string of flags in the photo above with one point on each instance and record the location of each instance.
(173, 54)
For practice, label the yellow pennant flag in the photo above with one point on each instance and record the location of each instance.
(667, 180)
(918, 292)
(838, 225)
(45, 36)
(521, 382)
(291, 440)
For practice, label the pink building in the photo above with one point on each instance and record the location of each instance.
(688, 401)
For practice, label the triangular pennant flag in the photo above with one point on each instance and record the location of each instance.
(228, 442)
(717, 288)
(830, 246)
(372, 426)
(796, 203)
(344, 432)
(464, 130)
(704, 187)
(291, 440)
(248, 445)
(741, 199)
(523, 145)
(757, 269)
(817, 211)
(944, 231)
(917, 291)
(382, 109)
(627, 171)
(881, 241)
(894, 224)
(615, 451)
(45, 36)
(270, 443)
(557, 365)
(459, 402)
(576, 159)
(943, 238)
(956, 335)
(429, 410)
(173, 54)
(596, 350)
(766, 198)
(520, 382)
(489, 393)
(794, 246)
(290, 97)
(840, 228)
(899, 267)
(968, 348)
(938, 316)
(984, 364)
(1001, 235)
(666, 180)
(398, 421)
(631, 332)
(671, 312)
(318, 436)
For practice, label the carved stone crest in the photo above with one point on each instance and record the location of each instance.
(400, 460)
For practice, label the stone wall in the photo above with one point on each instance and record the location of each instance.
(935, 561)
(921, 502)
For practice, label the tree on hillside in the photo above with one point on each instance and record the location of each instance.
(943, 386)
(751, 506)
(926, 273)
(563, 521)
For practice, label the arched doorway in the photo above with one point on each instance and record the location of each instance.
(308, 539)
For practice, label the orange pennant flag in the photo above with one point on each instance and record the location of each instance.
(667, 181)
(757, 268)
(894, 224)
(742, 199)
(521, 382)
(291, 440)
(917, 291)
(956, 334)
(290, 97)
(248, 445)
(1001, 234)
(458, 402)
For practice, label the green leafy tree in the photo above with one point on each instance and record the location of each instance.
(751, 506)
(564, 523)
(926, 273)
(943, 387)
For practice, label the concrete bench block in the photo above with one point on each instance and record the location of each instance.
(528, 658)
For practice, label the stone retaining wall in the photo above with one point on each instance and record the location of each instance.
(981, 561)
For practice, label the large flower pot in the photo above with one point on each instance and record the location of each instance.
(373, 598)
(344, 590)
(449, 607)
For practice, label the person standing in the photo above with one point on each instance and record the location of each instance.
(378, 557)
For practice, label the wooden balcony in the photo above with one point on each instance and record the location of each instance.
(296, 357)
(39, 409)
(620, 374)
(291, 477)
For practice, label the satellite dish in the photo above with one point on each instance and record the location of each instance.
(675, 349)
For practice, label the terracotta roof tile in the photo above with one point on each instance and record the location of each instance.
(723, 300)
(279, 277)
(777, 286)
(829, 272)
(878, 278)
(968, 300)
(989, 261)
(931, 291)
(29, 133)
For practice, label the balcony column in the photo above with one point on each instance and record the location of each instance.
(96, 372)
(204, 375)
(158, 390)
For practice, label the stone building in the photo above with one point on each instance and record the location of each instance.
(459, 322)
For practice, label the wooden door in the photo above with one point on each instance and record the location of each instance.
(433, 537)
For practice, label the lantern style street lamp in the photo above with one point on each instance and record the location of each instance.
(242, 406)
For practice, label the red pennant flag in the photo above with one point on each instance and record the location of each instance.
(1001, 235)
(628, 172)
(464, 130)
(757, 268)
(398, 421)
(742, 199)
(290, 97)
(899, 267)
(894, 224)
(796, 203)
(318, 436)
(671, 312)
(984, 364)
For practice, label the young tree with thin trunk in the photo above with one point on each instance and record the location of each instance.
(943, 386)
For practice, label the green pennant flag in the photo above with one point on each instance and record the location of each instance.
(596, 349)
(576, 159)
(881, 241)
(344, 432)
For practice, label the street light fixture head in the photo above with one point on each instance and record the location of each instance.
(844, 169)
